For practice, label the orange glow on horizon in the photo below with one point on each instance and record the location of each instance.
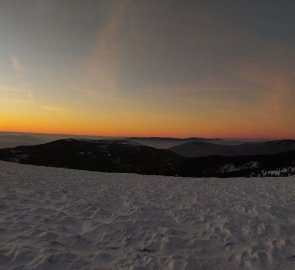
(150, 133)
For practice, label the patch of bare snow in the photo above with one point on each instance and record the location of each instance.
(232, 168)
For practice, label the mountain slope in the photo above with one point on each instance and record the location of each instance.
(282, 164)
(104, 155)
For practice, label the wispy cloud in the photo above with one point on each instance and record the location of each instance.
(53, 108)
(20, 72)
(18, 67)
(101, 95)
(101, 68)
(15, 94)
(277, 86)
(9, 89)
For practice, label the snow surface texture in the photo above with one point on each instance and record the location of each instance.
(67, 219)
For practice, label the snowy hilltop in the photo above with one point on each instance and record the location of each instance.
(63, 219)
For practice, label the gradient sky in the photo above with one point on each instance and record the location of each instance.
(148, 67)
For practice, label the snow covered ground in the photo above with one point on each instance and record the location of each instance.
(67, 219)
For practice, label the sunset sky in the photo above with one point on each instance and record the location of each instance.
(176, 68)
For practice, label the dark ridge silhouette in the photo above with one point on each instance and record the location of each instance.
(129, 157)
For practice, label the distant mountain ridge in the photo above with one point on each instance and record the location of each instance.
(156, 142)
(202, 149)
(169, 142)
(7, 140)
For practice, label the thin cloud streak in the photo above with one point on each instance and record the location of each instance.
(277, 85)
(53, 108)
(18, 67)
(102, 67)
(103, 96)
(20, 70)
(16, 94)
